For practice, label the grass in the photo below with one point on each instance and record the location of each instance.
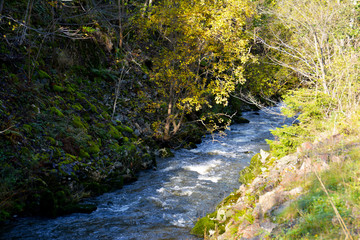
(330, 207)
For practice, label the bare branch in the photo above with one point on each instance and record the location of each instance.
(6, 129)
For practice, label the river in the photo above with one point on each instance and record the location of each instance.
(162, 204)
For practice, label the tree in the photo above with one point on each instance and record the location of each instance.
(202, 48)
(320, 40)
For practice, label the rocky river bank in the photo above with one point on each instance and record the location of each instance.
(277, 194)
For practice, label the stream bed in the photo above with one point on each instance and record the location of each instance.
(162, 204)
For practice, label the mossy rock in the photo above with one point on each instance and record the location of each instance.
(58, 88)
(231, 199)
(116, 182)
(106, 115)
(56, 111)
(238, 119)
(165, 153)
(132, 148)
(84, 154)
(51, 140)
(100, 125)
(205, 224)
(27, 128)
(78, 123)
(43, 74)
(113, 132)
(124, 128)
(77, 106)
(78, 208)
(115, 147)
(93, 108)
(4, 215)
(70, 88)
(94, 148)
(253, 170)
(96, 188)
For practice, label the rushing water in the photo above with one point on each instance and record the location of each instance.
(162, 204)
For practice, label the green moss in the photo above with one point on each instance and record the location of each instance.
(51, 140)
(77, 106)
(84, 154)
(80, 95)
(231, 199)
(165, 153)
(202, 226)
(106, 115)
(113, 132)
(115, 147)
(70, 88)
(132, 147)
(27, 128)
(43, 74)
(100, 125)
(124, 128)
(92, 108)
(94, 148)
(56, 111)
(78, 123)
(253, 170)
(58, 88)
(4, 215)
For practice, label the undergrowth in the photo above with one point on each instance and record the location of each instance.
(312, 216)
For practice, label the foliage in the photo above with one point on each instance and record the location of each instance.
(318, 219)
(319, 42)
(254, 169)
(206, 224)
(202, 53)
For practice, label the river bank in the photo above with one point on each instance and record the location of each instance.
(312, 194)
(164, 203)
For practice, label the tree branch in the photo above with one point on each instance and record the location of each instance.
(3, 131)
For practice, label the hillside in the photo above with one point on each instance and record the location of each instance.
(86, 103)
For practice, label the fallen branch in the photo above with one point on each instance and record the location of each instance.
(3, 131)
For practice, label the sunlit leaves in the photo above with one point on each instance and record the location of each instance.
(203, 48)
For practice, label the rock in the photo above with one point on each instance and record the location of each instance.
(304, 147)
(221, 215)
(270, 199)
(165, 153)
(251, 231)
(264, 155)
(282, 207)
(289, 177)
(295, 191)
(335, 159)
(267, 226)
(305, 167)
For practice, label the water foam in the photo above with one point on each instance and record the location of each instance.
(204, 168)
(212, 179)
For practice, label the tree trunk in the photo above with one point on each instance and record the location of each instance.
(1, 5)
(121, 12)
